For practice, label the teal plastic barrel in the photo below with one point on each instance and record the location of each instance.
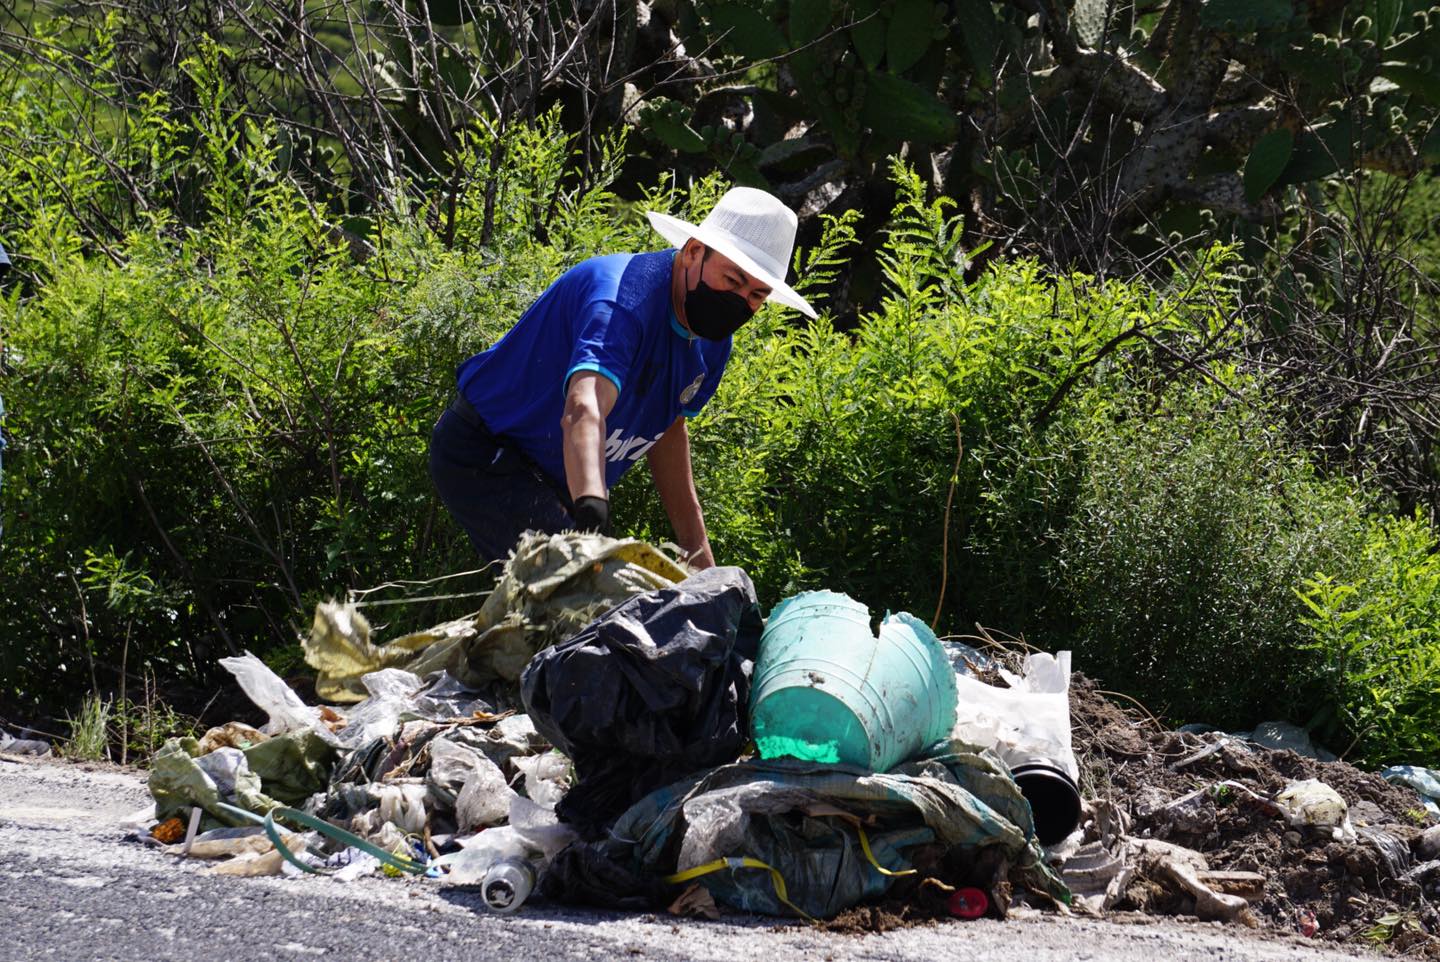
(826, 689)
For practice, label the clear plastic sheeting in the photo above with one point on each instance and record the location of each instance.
(270, 693)
(1425, 781)
(485, 798)
(550, 588)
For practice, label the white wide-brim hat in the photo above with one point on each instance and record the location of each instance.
(752, 228)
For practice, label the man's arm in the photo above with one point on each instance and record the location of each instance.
(589, 399)
(670, 466)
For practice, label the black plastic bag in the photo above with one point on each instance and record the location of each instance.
(590, 873)
(651, 691)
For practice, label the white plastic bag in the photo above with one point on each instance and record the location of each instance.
(477, 853)
(224, 766)
(1311, 802)
(539, 827)
(547, 777)
(402, 804)
(534, 834)
(266, 689)
(485, 798)
(1025, 723)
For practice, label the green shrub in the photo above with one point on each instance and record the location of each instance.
(827, 457)
(1378, 632)
(1192, 528)
(235, 417)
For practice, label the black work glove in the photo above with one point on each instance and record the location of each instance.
(592, 514)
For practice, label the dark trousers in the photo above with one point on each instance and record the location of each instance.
(493, 490)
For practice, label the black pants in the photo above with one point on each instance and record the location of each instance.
(493, 490)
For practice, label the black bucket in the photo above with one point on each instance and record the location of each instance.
(1054, 799)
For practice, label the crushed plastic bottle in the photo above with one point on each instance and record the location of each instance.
(507, 884)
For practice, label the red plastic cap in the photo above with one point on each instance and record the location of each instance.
(969, 904)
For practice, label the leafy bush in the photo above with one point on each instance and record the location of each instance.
(233, 419)
(1192, 529)
(1378, 632)
(827, 457)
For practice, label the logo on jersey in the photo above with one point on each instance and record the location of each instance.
(688, 395)
(618, 448)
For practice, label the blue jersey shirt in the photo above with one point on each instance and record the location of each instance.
(611, 315)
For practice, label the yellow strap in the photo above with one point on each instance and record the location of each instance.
(865, 847)
(776, 879)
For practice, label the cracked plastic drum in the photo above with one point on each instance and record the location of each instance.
(826, 689)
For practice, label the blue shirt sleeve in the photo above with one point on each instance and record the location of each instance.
(608, 343)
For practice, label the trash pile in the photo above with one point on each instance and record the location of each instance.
(1225, 828)
(610, 731)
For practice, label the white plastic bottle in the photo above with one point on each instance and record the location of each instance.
(507, 884)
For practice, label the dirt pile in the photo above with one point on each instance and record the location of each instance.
(1216, 795)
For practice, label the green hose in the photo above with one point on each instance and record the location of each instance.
(401, 862)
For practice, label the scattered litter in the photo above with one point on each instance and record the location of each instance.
(268, 691)
(507, 884)
(346, 865)
(695, 901)
(1283, 736)
(968, 903)
(10, 745)
(470, 864)
(1314, 804)
(547, 777)
(808, 849)
(179, 780)
(552, 586)
(624, 785)
(169, 831)
(1425, 781)
(1029, 725)
(485, 798)
(232, 842)
(191, 828)
(1147, 783)
(252, 864)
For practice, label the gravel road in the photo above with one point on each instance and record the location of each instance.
(71, 889)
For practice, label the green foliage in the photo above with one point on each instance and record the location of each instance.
(215, 427)
(826, 459)
(1379, 631)
(1192, 529)
(220, 404)
(142, 728)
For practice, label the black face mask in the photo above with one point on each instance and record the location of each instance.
(714, 315)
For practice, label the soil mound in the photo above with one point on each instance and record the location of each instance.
(1215, 794)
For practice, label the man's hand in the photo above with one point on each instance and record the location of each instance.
(699, 558)
(592, 514)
